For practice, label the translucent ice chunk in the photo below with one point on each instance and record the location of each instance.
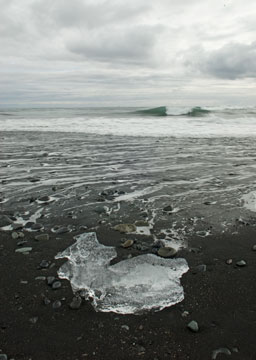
(141, 283)
(250, 201)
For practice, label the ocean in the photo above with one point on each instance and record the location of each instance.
(156, 122)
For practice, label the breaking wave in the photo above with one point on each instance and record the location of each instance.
(165, 111)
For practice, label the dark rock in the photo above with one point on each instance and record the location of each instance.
(167, 252)
(17, 226)
(193, 326)
(168, 208)
(50, 280)
(42, 237)
(44, 264)
(5, 220)
(56, 304)
(44, 199)
(3, 357)
(141, 223)
(75, 303)
(34, 179)
(56, 285)
(100, 210)
(29, 224)
(62, 230)
(36, 227)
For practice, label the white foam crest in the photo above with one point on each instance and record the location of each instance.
(131, 286)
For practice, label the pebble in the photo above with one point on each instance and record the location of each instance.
(224, 351)
(62, 230)
(241, 263)
(46, 301)
(44, 199)
(24, 250)
(229, 261)
(125, 228)
(40, 278)
(185, 314)
(193, 326)
(56, 285)
(5, 220)
(15, 235)
(36, 227)
(254, 248)
(50, 280)
(33, 320)
(75, 303)
(42, 237)
(3, 357)
(168, 208)
(17, 226)
(199, 268)
(167, 252)
(20, 243)
(29, 224)
(56, 304)
(44, 264)
(125, 327)
(127, 244)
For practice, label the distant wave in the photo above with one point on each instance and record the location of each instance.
(158, 111)
(165, 111)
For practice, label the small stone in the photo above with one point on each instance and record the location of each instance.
(42, 237)
(62, 230)
(3, 357)
(40, 278)
(20, 243)
(21, 235)
(100, 210)
(24, 282)
(168, 208)
(224, 351)
(33, 320)
(46, 301)
(127, 243)
(24, 250)
(193, 326)
(125, 327)
(229, 261)
(15, 235)
(56, 304)
(29, 224)
(5, 221)
(241, 263)
(167, 252)
(75, 303)
(44, 264)
(50, 280)
(36, 227)
(254, 248)
(199, 268)
(185, 314)
(44, 199)
(17, 226)
(56, 285)
(141, 327)
(125, 228)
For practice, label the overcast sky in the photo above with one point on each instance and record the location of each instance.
(119, 52)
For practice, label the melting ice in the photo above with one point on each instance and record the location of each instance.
(141, 283)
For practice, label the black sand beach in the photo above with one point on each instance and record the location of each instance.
(69, 190)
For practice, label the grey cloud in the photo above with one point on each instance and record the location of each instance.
(131, 45)
(232, 61)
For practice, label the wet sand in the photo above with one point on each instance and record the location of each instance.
(100, 189)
